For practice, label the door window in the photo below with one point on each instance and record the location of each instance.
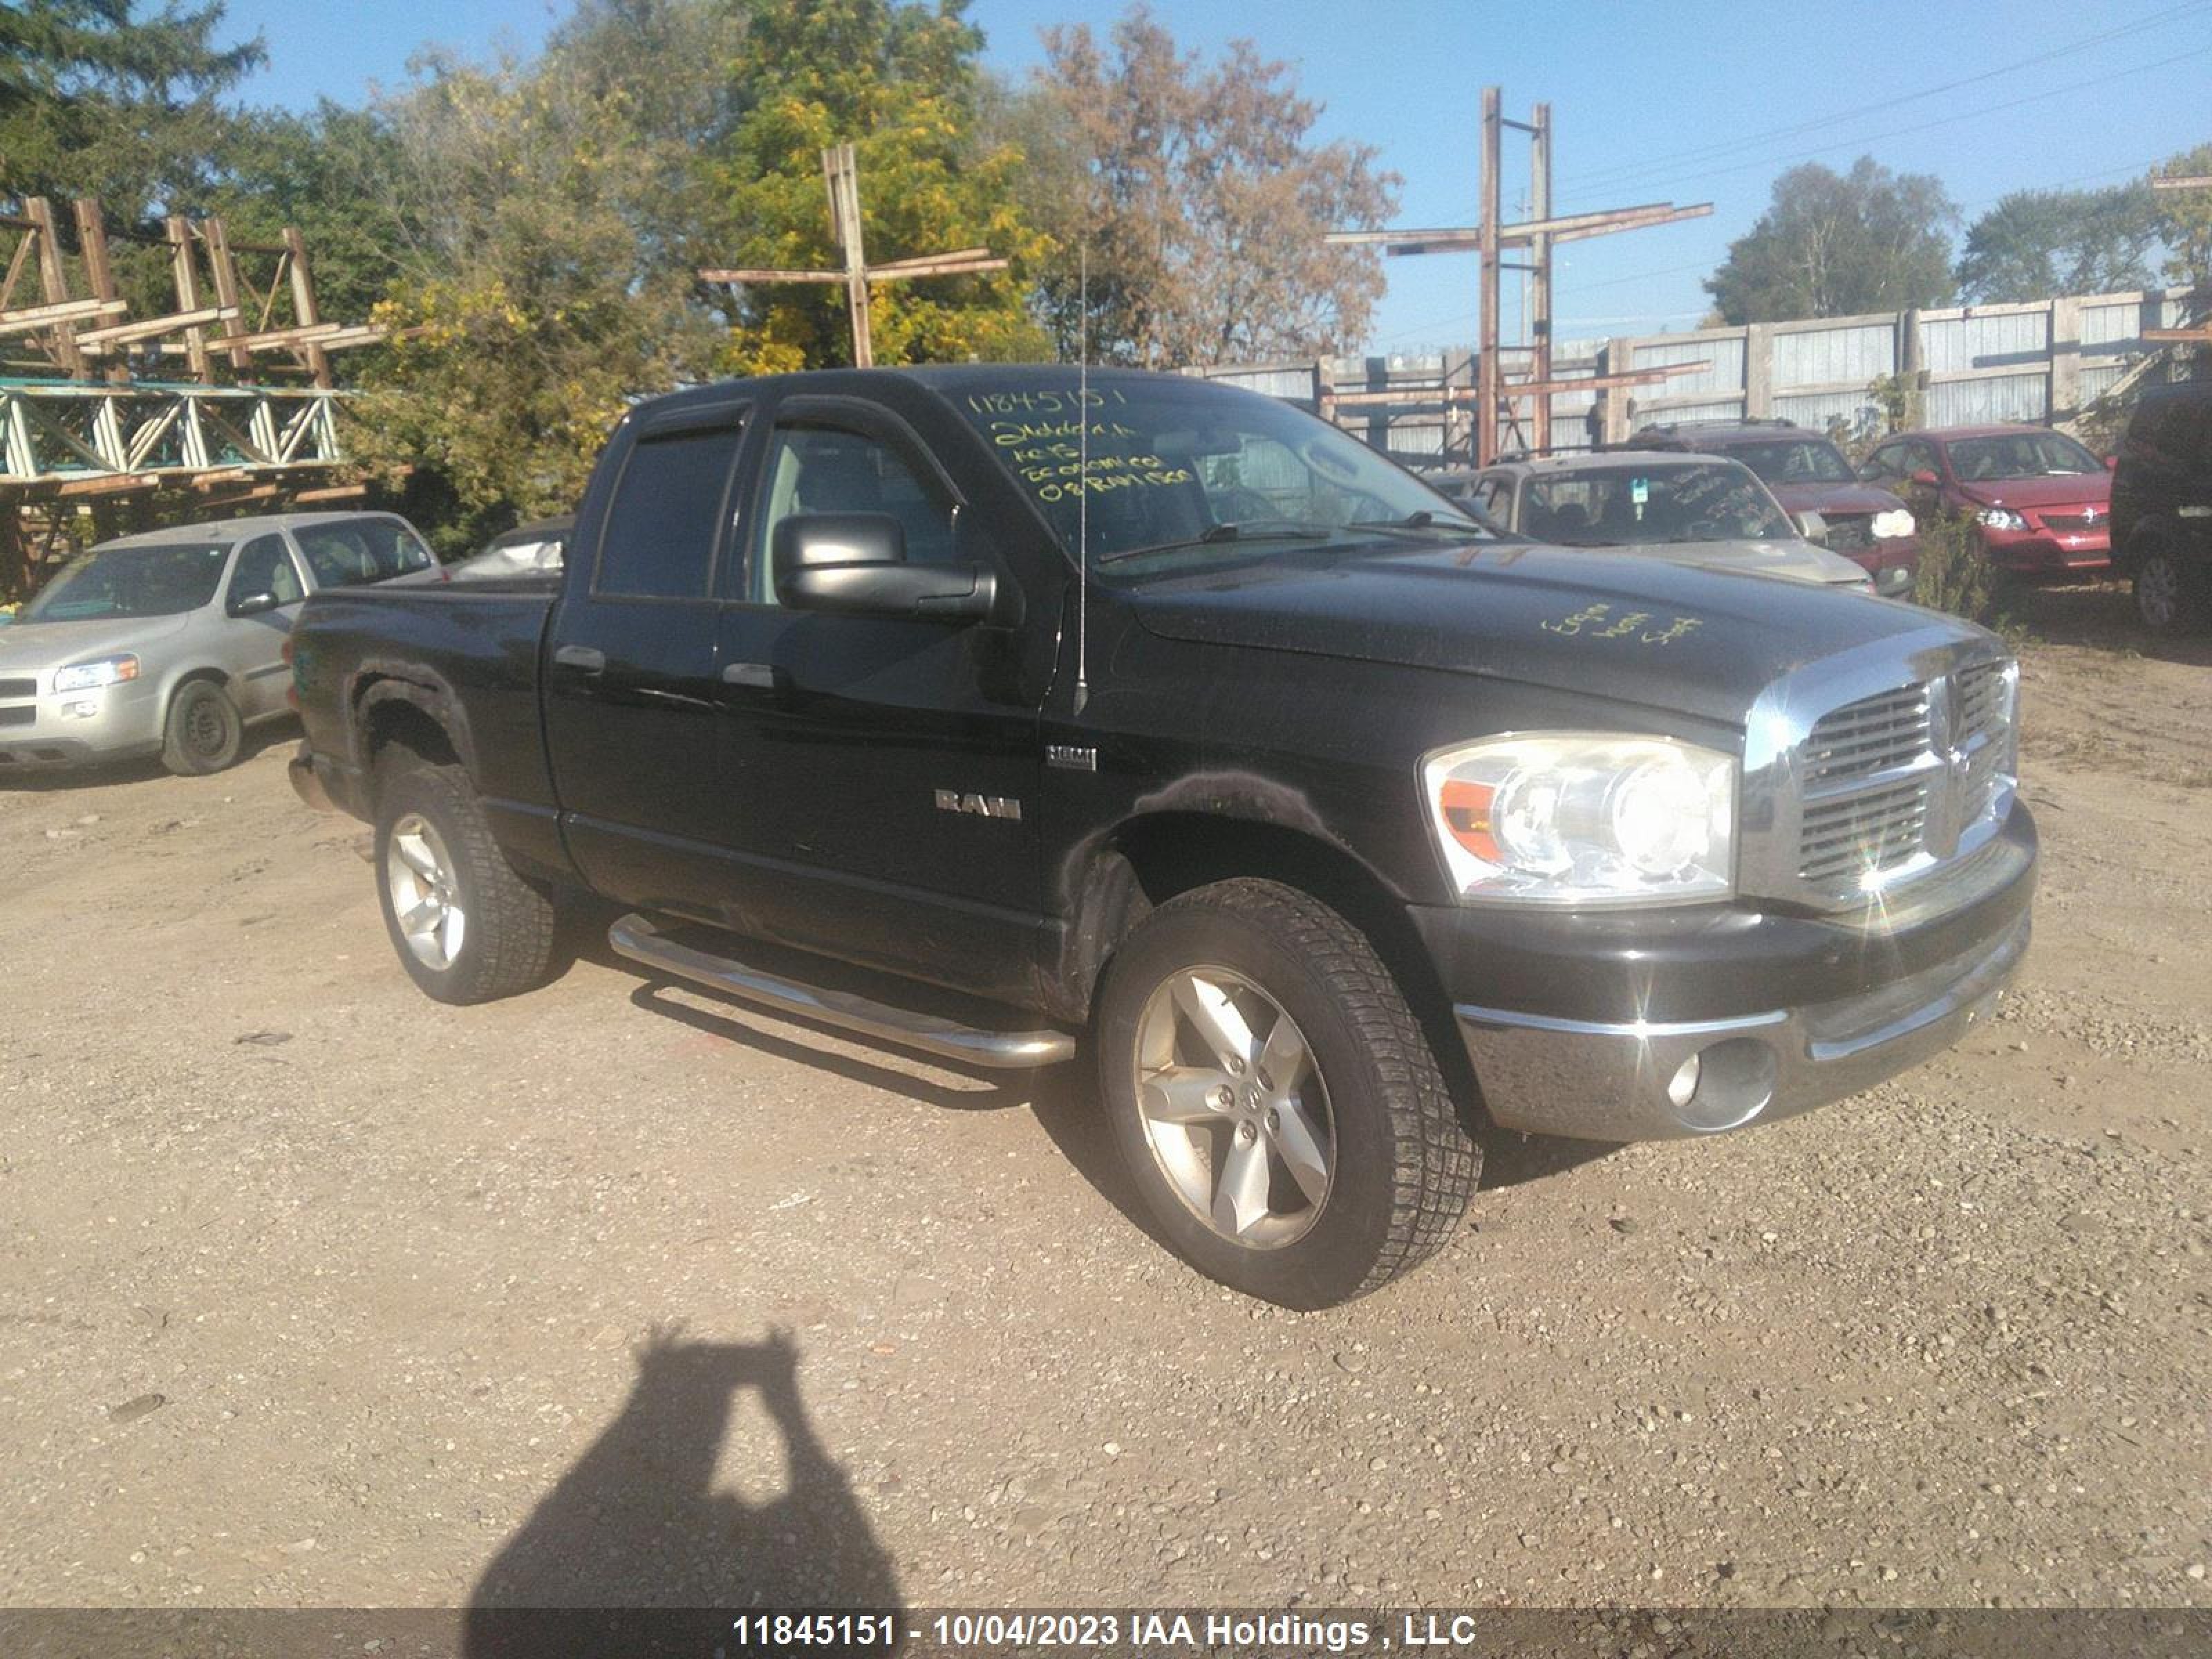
(356, 552)
(265, 567)
(666, 516)
(828, 469)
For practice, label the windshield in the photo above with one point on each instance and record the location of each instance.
(2020, 455)
(165, 579)
(356, 552)
(1661, 501)
(1182, 473)
(1794, 461)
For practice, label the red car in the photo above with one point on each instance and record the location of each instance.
(2044, 503)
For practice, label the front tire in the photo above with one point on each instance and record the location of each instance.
(204, 731)
(466, 927)
(1275, 1099)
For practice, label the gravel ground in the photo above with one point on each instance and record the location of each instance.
(313, 1292)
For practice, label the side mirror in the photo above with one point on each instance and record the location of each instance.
(1811, 526)
(2112, 463)
(854, 564)
(1925, 479)
(253, 604)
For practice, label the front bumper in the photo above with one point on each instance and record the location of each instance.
(1783, 1012)
(2042, 551)
(39, 734)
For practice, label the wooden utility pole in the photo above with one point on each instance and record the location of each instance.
(1497, 397)
(841, 172)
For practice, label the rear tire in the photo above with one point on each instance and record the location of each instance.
(1308, 1185)
(466, 927)
(203, 731)
(2171, 592)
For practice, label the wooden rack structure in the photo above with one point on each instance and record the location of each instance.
(841, 172)
(229, 394)
(1496, 399)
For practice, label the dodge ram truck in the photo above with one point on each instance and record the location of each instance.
(1020, 715)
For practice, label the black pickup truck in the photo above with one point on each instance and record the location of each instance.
(1036, 714)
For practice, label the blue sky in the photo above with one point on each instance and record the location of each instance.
(1687, 102)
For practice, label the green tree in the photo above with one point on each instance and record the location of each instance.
(529, 307)
(2185, 221)
(898, 81)
(2037, 243)
(96, 99)
(1199, 197)
(1833, 245)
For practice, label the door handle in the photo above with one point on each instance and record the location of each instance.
(760, 676)
(584, 658)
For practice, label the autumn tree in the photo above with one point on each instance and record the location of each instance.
(1834, 244)
(899, 82)
(2037, 243)
(540, 283)
(1199, 197)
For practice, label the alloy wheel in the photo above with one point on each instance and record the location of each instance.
(418, 872)
(1233, 1108)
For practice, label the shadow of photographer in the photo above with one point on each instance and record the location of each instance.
(635, 1552)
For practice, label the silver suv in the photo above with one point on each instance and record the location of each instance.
(170, 642)
(1693, 509)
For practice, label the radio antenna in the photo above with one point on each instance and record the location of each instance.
(1082, 475)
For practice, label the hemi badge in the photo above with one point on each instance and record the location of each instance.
(1071, 757)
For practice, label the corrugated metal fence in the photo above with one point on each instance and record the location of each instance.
(2044, 362)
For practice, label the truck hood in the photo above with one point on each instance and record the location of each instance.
(1608, 624)
(1834, 498)
(31, 646)
(2064, 489)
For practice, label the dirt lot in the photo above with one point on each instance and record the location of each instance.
(313, 1292)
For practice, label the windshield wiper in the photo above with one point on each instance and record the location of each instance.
(1250, 530)
(1421, 519)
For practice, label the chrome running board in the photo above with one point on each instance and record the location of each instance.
(640, 940)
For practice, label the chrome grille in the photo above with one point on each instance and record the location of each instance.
(1869, 736)
(1849, 532)
(1848, 838)
(1871, 789)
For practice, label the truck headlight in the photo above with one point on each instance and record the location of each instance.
(91, 675)
(2000, 518)
(1888, 525)
(1584, 818)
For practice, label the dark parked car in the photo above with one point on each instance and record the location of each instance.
(1807, 473)
(1023, 715)
(2042, 502)
(2162, 505)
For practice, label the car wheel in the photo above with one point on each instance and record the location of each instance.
(2170, 597)
(1275, 1097)
(204, 730)
(466, 927)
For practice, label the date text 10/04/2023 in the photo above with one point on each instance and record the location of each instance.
(1007, 1632)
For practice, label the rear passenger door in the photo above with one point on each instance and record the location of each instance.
(253, 636)
(629, 679)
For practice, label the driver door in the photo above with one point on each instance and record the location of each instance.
(887, 766)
